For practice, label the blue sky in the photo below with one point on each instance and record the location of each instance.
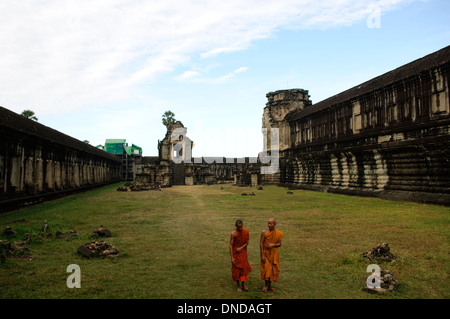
(109, 69)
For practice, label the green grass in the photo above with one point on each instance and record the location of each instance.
(174, 244)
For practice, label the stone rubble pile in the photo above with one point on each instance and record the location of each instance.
(388, 283)
(15, 248)
(66, 236)
(136, 187)
(144, 187)
(45, 231)
(380, 252)
(18, 248)
(97, 249)
(8, 231)
(101, 232)
(8, 249)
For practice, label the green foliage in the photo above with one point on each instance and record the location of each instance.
(168, 118)
(29, 114)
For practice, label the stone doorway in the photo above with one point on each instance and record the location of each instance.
(178, 174)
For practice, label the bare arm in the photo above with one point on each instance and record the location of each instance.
(231, 247)
(261, 247)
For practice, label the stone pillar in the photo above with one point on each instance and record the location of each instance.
(352, 169)
(2, 174)
(189, 180)
(49, 180)
(335, 175)
(254, 179)
(76, 175)
(16, 173)
(58, 180)
(345, 173)
(29, 168)
(39, 175)
(64, 175)
(381, 170)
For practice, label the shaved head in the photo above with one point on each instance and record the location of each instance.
(271, 223)
(239, 225)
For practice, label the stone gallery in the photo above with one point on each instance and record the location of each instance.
(388, 137)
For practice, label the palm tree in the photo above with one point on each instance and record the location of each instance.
(29, 114)
(168, 118)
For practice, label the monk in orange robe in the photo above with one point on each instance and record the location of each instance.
(270, 259)
(240, 266)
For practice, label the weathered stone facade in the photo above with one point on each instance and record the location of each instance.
(388, 137)
(165, 171)
(36, 161)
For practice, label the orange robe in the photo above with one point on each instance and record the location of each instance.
(241, 268)
(271, 268)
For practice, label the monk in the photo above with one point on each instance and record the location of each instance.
(240, 267)
(270, 259)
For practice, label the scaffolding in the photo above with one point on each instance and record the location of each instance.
(128, 154)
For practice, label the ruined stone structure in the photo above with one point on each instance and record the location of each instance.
(388, 137)
(165, 170)
(37, 162)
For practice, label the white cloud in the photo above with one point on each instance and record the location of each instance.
(194, 76)
(231, 74)
(64, 55)
(188, 75)
(240, 70)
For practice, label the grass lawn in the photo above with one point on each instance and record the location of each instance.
(174, 244)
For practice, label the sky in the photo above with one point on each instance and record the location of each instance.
(104, 69)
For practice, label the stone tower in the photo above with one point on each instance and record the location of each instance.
(279, 104)
(165, 147)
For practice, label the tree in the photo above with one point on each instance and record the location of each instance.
(86, 141)
(168, 118)
(29, 114)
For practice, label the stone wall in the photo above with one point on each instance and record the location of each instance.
(36, 160)
(388, 137)
(204, 170)
(176, 166)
